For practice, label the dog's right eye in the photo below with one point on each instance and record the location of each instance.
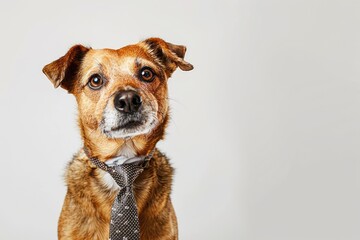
(146, 74)
(95, 82)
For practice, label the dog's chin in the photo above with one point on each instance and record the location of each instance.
(129, 129)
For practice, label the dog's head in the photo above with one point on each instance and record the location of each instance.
(120, 93)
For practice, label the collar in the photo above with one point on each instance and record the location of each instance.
(120, 160)
(116, 161)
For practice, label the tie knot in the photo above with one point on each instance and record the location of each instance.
(125, 174)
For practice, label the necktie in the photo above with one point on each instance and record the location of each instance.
(124, 224)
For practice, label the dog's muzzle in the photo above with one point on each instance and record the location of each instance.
(128, 103)
(128, 116)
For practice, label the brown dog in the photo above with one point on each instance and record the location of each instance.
(123, 110)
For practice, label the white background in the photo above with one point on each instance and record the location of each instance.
(265, 131)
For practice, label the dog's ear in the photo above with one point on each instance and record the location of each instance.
(62, 72)
(168, 54)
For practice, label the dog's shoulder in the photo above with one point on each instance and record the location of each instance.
(162, 165)
(79, 165)
(158, 174)
(81, 175)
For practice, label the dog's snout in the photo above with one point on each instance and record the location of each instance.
(127, 101)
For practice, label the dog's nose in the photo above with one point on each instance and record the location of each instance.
(127, 101)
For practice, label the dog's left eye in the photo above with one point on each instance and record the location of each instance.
(147, 74)
(95, 82)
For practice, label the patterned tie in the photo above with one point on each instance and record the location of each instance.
(124, 224)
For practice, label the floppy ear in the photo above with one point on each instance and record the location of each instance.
(177, 54)
(62, 72)
(168, 54)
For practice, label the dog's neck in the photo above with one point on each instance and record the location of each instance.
(128, 149)
(125, 148)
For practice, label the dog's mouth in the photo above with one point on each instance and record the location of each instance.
(128, 125)
(128, 122)
(117, 125)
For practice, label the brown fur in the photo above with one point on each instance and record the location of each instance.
(86, 209)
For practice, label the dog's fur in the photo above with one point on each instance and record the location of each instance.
(91, 191)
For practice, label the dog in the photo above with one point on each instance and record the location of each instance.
(123, 110)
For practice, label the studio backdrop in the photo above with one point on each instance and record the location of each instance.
(264, 133)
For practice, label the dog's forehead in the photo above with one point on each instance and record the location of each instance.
(114, 56)
(114, 60)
